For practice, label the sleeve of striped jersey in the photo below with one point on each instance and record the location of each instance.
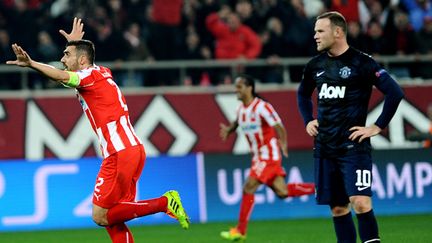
(269, 114)
(86, 78)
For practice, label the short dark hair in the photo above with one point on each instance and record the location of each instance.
(249, 81)
(336, 19)
(84, 46)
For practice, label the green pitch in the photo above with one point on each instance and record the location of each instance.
(394, 229)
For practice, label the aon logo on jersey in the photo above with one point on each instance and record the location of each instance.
(331, 92)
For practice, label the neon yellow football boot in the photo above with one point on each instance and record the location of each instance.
(175, 209)
(233, 235)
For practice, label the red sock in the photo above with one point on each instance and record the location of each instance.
(245, 212)
(125, 211)
(300, 189)
(120, 233)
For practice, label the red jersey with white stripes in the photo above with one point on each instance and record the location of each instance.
(257, 120)
(106, 109)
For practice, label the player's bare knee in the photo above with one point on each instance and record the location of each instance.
(281, 193)
(361, 207)
(340, 210)
(361, 204)
(248, 190)
(100, 219)
(250, 187)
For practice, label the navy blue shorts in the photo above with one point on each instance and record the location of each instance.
(337, 179)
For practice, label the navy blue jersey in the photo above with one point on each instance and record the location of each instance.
(344, 86)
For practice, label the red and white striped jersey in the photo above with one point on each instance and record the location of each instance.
(106, 109)
(257, 121)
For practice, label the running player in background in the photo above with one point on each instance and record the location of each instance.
(344, 77)
(267, 138)
(124, 155)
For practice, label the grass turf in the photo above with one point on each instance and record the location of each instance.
(395, 229)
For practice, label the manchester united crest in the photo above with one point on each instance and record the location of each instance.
(345, 72)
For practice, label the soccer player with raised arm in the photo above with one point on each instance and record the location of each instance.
(267, 139)
(123, 153)
(344, 78)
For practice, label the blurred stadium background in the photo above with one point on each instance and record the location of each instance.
(49, 155)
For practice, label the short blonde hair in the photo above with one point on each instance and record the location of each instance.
(336, 19)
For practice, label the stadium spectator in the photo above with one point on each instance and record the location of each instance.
(299, 35)
(124, 156)
(137, 51)
(417, 11)
(375, 41)
(274, 8)
(47, 50)
(195, 51)
(424, 37)
(165, 32)
(117, 13)
(25, 26)
(274, 48)
(373, 10)
(137, 46)
(206, 8)
(7, 54)
(166, 36)
(403, 42)
(424, 47)
(348, 8)
(267, 139)
(313, 8)
(233, 40)
(5, 51)
(247, 15)
(108, 39)
(396, 26)
(356, 38)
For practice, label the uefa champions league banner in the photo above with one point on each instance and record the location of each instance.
(402, 184)
(52, 194)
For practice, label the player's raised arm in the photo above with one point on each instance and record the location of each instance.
(24, 60)
(76, 33)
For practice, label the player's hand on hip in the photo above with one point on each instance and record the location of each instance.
(361, 133)
(76, 33)
(23, 59)
(312, 128)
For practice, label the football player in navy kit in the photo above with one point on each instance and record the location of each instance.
(344, 77)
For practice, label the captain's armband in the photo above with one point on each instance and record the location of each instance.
(74, 80)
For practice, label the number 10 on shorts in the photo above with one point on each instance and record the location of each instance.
(364, 179)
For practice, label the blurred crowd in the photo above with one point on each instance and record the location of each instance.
(153, 30)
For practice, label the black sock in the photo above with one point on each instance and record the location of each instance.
(368, 227)
(345, 229)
